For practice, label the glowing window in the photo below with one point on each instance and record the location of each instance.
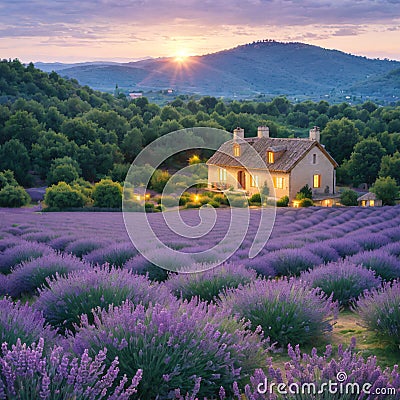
(236, 150)
(222, 174)
(372, 203)
(317, 181)
(278, 182)
(254, 181)
(271, 157)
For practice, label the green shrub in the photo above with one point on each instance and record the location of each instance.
(192, 204)
(169, 201)
(238, 201)
(14, 196)
(349, 198)
(304, 193)
(306, 202)
(283, 202)
(214, 204)
(256, 198)
(159, 179)
(62, 196)
(108, 194)
(221, 199)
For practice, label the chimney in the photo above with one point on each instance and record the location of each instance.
(315, 134)
(238, 133)
(263, 131)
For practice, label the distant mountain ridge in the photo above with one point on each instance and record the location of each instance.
(265, 67)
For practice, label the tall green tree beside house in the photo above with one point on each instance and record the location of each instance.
(365, 161)
(340, 137)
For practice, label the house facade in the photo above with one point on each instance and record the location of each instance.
(287, 164)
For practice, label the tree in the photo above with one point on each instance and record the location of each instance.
(14, 196)
(14, 156)
(132, 144)
(386, 190)
(349, 198)
(390, 166)
(107, 194)
(62, 196)
(24, 127)
(48, 147)
(63, 170)
(7, 178)
(365, 161)
(340, 137)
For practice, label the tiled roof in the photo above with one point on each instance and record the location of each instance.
(367, 196)
(291, 151)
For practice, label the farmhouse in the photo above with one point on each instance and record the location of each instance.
(292, 163)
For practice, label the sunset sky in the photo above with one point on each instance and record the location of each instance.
(122, 30)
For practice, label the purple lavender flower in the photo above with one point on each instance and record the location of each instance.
(323, 250)
(19, 320)
(115, 254)
(292, 261)
(346, 281)
(384, 264)
(68, 297)
(31, 275)
(13, 256)
(209, 284)
(81, 247)
(25, 371)
(379, 310)
(288, 311)
(316, 370)
(174, 346)
(344, 246)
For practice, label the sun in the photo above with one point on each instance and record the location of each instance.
(181, 56)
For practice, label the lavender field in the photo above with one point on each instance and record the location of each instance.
(84, 315)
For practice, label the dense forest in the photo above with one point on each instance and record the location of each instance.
(53, 129)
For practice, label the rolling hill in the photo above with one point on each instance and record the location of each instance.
(265, 67)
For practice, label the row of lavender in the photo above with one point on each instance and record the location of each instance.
(165, 343)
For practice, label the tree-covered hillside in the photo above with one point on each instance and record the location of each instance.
(52, 129)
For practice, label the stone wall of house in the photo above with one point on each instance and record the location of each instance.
(303, 173)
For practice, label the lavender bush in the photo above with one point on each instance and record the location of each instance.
(379, 310)
(209, 284)
(67, 298)
(289, 262)
(60, 243)
(370, 241)
(27, 277)
(287, 310)
(326, 252)
(27, 374)
(9, 242)
(116, 254)
(344, 280)
(13, 256)
(81, 247)
(19, 320)
(174, 346)
(384, 264)
(344, 246)
(140, 265)
(316, 370)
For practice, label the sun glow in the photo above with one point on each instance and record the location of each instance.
(181, 56)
